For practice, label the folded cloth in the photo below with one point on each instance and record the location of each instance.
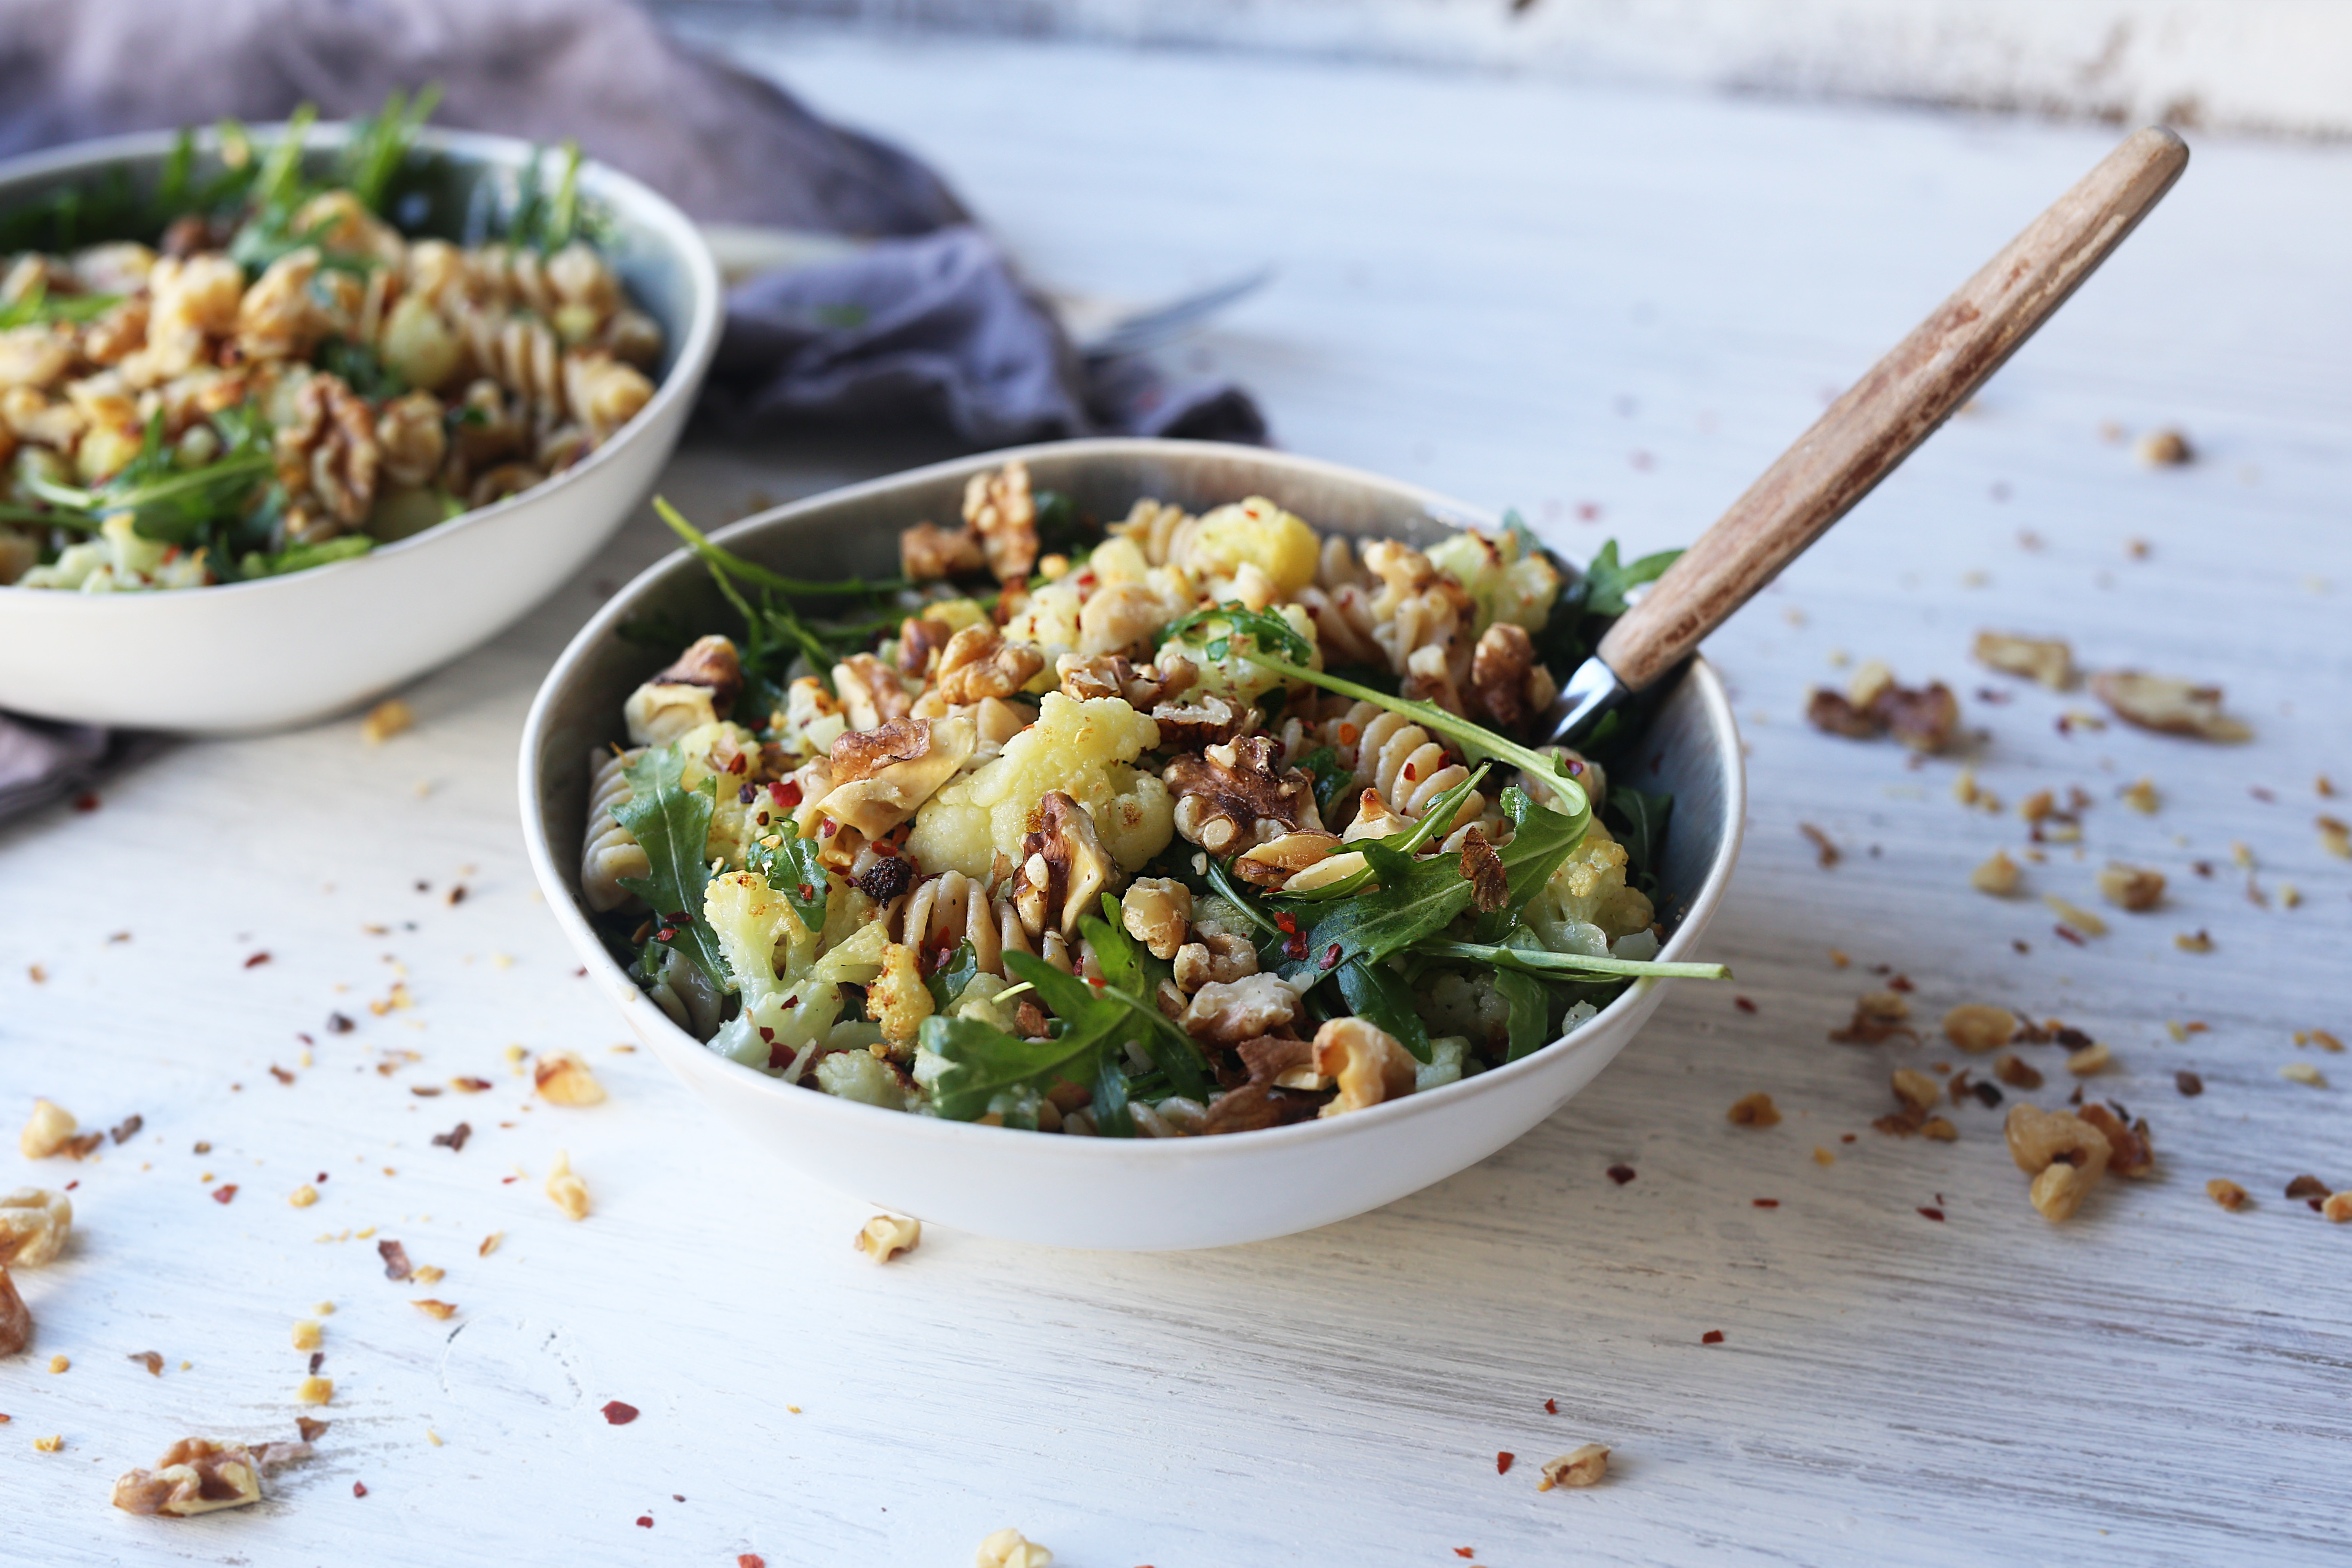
(39, 762)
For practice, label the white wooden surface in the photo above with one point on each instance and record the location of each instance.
(1519, 294)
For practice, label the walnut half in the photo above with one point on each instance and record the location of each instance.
(33, 1222)
(1368, 1064)
(194, 1476)
(1233, 796)
(1064, 870)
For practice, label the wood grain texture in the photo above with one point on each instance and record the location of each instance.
(1900, 402)
(1509, 291)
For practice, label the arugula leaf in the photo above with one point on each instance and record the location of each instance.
(794, 868)
(1392, 855)
(1263, 628)
(670, 823)
(170, 504)
(35, 307)
(1475, 740)
(984, 1061)
(361, 368)
(1606, 582)
(1112, 1118)
(1379, 995)
(1639, 818)
(1131, 978)
(1552, 965)
(1529, 1013)
(947, 982)
(1333, 775)
(1540, 840)
(752, 571)
(379, 145)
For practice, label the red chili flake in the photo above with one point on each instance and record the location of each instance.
(359, 1489)
(281, 1074)
(1412, 773)
(2070, 934)
(72, 1184)
(1503, 1462)
(1846, 1137)
(785, 793)
(885, 849)
(1575, 768)
(827, 828)
(750, 1560)
(1901, 983)
(807, 892)
(256, 961)
(322, 1175)
(317, 1360)
(1288, 923)
(86, 801)
(470, 1085)
(509, 1181)
(1934, 1213)
(738, 764)
(645, 1522)
(304, 1038)
(224, 1194)
(666, 933)
(1552, 1407)
(1621, 1175)
(1766, 1203)
(1294, 947)
(338, 1025)
(1712, 1337)
(1331, 956)
(618, 1414)
(1096, 984)
(1743, 1003)
(1465, 1552)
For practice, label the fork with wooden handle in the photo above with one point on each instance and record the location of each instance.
(1878, 424)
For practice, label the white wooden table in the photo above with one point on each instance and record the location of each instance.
(1519, 293)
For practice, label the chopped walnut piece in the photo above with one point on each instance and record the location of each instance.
(1283, 1061)
(1924, 720)
(2016, 1073)
(1207, 721)
(2064, 1154)
(928, 552)
(1229, 1012)
(34, 1223)
(884, 1237)
(1507, 683)
(2058, 1192)
(2304, 1073)
(2141, 796)
(1998, 876)
(1916, 1089)
(1826, 854)
(2336, 1208)
(2130, 1151)
(1755, 1109)
(1582, 1467)
(711, 663)
(2133, 888)
(385, 719)
(2306, 1186)
(1830, 711)
(150, 1360)
(49, 1131)
(919, 639)
(2092, 1058)
(2227, 1193)
(1010, 1549)
(2335, 838)
(871, 693)
(308, 1333)
(563, 1078)
(16, 1318)
(2047, 660)
(1255, 1106)
(431, 1309)
(1878, 1018)
(1368, 1064)
(2162, 449)
(999, 508)
(1157, 912)
(396, 1266)
(1980, 1027)
(1232, 796)
(194, 1476)
(1215, 956)
(1064, 870)
(1939, 1129)
(2193, 942)
(2172, 707)
(1483, 870)
(2076, 915)
(979, 663)
(315, 1390)
(569, 1192)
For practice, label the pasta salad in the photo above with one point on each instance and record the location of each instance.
(1190, 825)
(244, 374)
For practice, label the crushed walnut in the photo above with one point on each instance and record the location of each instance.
(194, 1476)
(1980, 1027)
(1878, 1018)
(1924, 719)
(16, 1318)
(569, 1192)
(1755, 1109)
(2047, 660)
(2064, 1154)
(1010, 1549)
(563, 1078)
(385, 719)
(49, 1131)
(1998, 875)
(34, 1223)
(2227, 1193)
(2167, 706)
(2133, 888)
(884, 1237)
(1582, 1466)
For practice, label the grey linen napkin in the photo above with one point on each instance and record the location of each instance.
(928, 323)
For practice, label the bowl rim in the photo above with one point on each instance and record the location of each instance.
(644, 205)
(1715, 702)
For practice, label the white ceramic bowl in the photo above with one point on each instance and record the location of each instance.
(286, 650)
(1106, 1193)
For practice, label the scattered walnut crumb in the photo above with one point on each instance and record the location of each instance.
(2336, 837)
(315, 1390)
(153, 1361)
(1916, 1089)
(431, 1309)
(49, 1445)
(2306, 1186)
(1878, 1016)
(2337, 1206)
(2304, 1073)
(2074, 915)
(1980, 1027)
(2162, 449)
(385, 719)
(1753, 1110)
(2290, 897)
(1826, 853)
(1580, 1467)
(569, 1192)
(490, 1244)
(59, 1363)
(49, 1131)
(2016, 1073)
(1822, 1156)
(2133, 888)
(2193, 942)
(1838, 960)
(194, 1476)
(563, 1078)
(2048, 660)
(1998, 876)
(2227, 1193)
(2320, 1038)
(308, 1333)
(884, 1237)
(2140, 795)
(2170, 707)
(2092, 1058)
(2064, 1154)
(2131, 1151)
(427, 1275)
(1010, 1549)
(34, 1224)
(1940, 1129)
(303, 1197)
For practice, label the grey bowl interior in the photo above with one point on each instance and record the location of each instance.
(459, 181)
(855, 532)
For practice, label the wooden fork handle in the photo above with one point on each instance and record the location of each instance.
(1890, 410)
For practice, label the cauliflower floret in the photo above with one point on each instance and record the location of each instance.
(753, 923)
(1464, 1004)
(707, 752)
(898, 1000)
(1234, 676)
(1259, 534)
(1085, 749)
(1049, 620)
(858, 959)
(810, 719)
(860, 1075)
(1447, 1053)
(1507, 581)
(1586, 905)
